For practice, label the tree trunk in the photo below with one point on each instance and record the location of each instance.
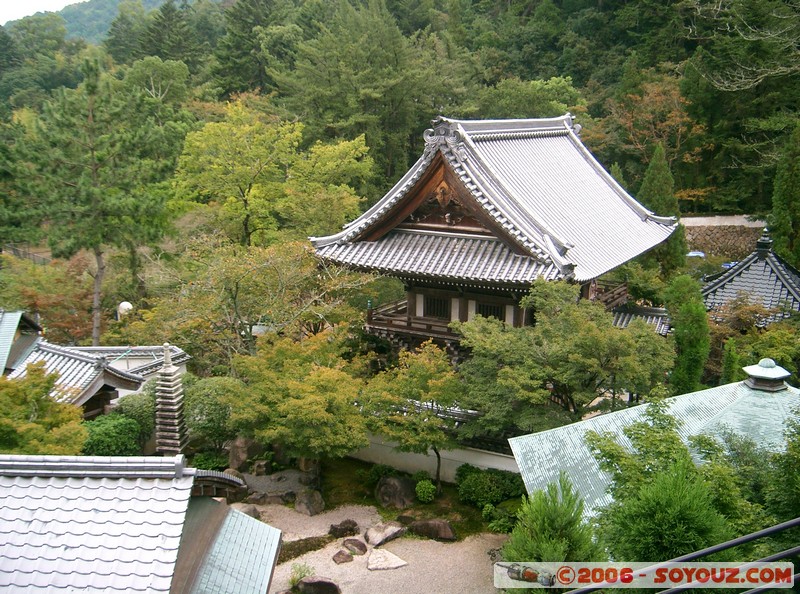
(98, 287)
(438, 469)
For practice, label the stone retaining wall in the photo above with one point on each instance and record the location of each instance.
(729, 241)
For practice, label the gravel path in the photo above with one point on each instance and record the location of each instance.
(462, 567)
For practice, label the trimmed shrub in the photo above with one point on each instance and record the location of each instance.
(210, 461)
(480, 487)
(112, 435)
(426, 491)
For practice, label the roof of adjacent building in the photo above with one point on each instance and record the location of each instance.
(658, 317)
(80, 375)
(535, 180)
(84, 370)
(757, 414)
(11, 346)
(763, 277)
(103, 524)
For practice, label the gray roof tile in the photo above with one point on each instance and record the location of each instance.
(536, 180)
(65, 526)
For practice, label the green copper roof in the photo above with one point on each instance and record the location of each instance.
(746, 411)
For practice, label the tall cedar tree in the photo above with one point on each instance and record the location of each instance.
(785, 219)
(169, 36)
(658, 194)
(89, 164)
(124, 39)
(692, 336)
(241, 63)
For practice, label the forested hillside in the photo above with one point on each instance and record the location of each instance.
(197, 137)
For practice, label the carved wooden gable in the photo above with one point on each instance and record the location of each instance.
(438, 203)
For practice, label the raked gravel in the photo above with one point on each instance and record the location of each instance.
(462, 567)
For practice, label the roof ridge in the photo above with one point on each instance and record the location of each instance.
(725, 275)
(780, 267)
(95, 466)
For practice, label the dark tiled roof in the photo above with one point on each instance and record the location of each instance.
(458, 258)
(764, 277)
(655, 316)
(535, 180)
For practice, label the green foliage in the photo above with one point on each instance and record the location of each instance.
(141, 407)
(426, 491)
(404, 402)
(489, 487)
(208, 409)
(550, 527)
(375, 473)
(785, 217)
(210, 461)
(464, 471)
(299, 571)
(573, 355)
(691, 331)
(300, 396)
(671, 515)
(783, 493)
(731, 364)
(32, 422)
(255, 175)
(112, 435)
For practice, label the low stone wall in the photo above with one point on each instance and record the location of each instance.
(383, 452)
(729, 237)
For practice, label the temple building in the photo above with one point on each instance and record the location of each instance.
(489, 207)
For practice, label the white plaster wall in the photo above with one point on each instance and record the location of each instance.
(383, 452)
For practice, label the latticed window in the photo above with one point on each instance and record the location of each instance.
(437, 307)
(490, 310)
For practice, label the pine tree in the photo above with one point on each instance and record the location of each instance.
(731, 365)
(125, 37)
(658, 194)
(785, 218)
(169, 36)
(241, 63)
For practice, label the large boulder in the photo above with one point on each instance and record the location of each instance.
(309, 502)
(247, 509)
(383, 559)
(315, 584)
(396, 492)
(383, 532)
(343, 528)
(436, 529)
(355, 546)
(241, 450)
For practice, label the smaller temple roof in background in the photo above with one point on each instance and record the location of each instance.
(739, 407)
(763, 276)
(84, 370)
(104, 524)
(658, 317)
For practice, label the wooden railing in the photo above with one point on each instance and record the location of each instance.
(393, 317)
(611, 295)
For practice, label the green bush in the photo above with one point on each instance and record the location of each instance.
(210, 461)
(420, 475)
(480, 487)
(464, 471)
(375, 474)
(426, 491)
(141, 407)
(112, 435)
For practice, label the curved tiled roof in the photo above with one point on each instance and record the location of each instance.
(764, 277)
(537, 182)
(80, 374)
(90, 524)
(459, 258)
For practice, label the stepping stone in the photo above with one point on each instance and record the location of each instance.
(342, 557)
(383, 559)
(355, 546)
